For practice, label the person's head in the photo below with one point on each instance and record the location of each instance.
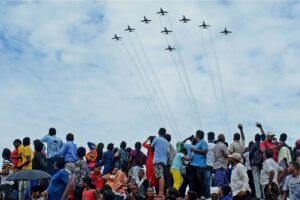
(97, 168)
(194, 141)
(214, 191)
(125, 167)
(108, 195)
(184, 151)
(115, 150)
(100, 146)
(294, 168)
(135, 188)
(250, 144)
(138, 146)
(141, 173)
(151, 139)
(162, 132)
(17, 143)
(168, 137)
(36, 191)
(297, 144)
(221, 138)
(38, 145)
(110, 147)
(60, 163)
(128, 150)
(70, 137)
(199, 135)
(26, 141)
(114, 171)
(81, 151)
(52, 131)
(88, 182)
(123, 145)
(234, 158)
(268, 153)
(236, 137)
(257, 137)
(282, 137)
(210, 136)
(150, 192)
(224, 191)
(191, 195)
(6, 154)
(270, 137)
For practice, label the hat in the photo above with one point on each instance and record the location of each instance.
(236, 156)
(270, 134)
(214, 190)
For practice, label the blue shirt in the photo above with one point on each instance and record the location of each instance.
(177, 161)
(199, 160)
(53, 145)
(68, 151)
(160, 146)
(227, 197)
(107, 162)
(58, 184)
(188, 148)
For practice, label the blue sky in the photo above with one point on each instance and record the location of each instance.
(60, 68)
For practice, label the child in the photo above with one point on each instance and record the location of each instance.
(7, 169)
(176, 167)
(89, 192)
(36, 193)
(97, 177)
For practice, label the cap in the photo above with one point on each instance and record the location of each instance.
(270, 134)
(236, 156)
(214, 190)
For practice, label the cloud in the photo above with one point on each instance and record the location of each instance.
(59, 67)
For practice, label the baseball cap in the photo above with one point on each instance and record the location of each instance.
(236, 156)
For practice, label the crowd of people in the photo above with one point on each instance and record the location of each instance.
(202, 166)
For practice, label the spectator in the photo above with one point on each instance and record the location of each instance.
(225, 193)
(270, 144)
(149, 163)
(190, 195)
(137, 159)
(7, 169)
(171, 155)
(81, 171)
(97, 177)
(15, 155)
(89, 192)
(214, 193)
(284, 157)
(68, 150)
(247, 164)
(141, 181)
(123, 154)
(107, 160)
(39, 161)
(210, 159)
(238, 146)
(220, 165)
(120, 180)
(53, 146)
(149, 194)
(291, 187)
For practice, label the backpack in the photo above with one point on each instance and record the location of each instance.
(258, 158)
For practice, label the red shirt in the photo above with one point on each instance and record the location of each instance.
(97, 179)
(15, 161)
(265, 144)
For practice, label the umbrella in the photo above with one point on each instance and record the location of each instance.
(27, 175)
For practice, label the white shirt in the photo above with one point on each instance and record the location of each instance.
(239, 179)
(247, 160)
(210, 157)
(268, 166)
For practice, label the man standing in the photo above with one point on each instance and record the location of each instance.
(238, 146)
(291, 187)
(220, 165)
(53, 146)
(160, 160)
(239, 178)
(198, 165)
(171, 154)
(270, 144)
(210, 159)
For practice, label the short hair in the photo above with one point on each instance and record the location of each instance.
(151, 139)
(283, 137)
(192, 195)
(128, 149)
(81, 151)
(210, 135)
(108, 195)
(38, 145)
(200, 134)
(221, 137)
(60, 162)
(296, 165)
(16, 142)
(138, 146)
(162, 131)
(6, 153)
(36, 188)
(226, 190)
(125, 167)
(268, 153)
(52, 131)
(236, 137)
(26, 141)
(110, 147)
(123, 145)
(168, 137)
(70, 137)
(257, 137)
(184, 151)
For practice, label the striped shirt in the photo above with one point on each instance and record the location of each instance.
(7, 169)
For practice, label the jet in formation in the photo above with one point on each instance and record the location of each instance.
(184, 19)
(129, 29)
(169, 48)
(166, 31)
(226, 31)
(162, 12)
(204, 26)
(116, 38)
(146, 21)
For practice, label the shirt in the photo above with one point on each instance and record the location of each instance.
(210, 157)
(160, 146)
(137, 158)
(15, 154)
(171, 154)
(7, 167)
(265, 144)
(107, 162)
(26, 151)
(292, 185)
(39, 161)
(68, 151)
(237, 147)
(247, 160)
(268, 166)
(81, 171)
(198, 159)
(220, 152)
(58, 184)
(53, 144)
(239, 179)
(177, 161)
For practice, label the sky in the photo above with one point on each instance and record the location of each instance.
(60, 68)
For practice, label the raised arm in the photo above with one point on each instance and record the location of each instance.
(240, 126)
(258, 125)
(186, 139)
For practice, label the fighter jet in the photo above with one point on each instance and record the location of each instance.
(162, 12)
(184, 20)
(166, 31)
(146, 21)
(204, 26)
(226, 31)
(129, 29)
(169, 48)
(116, 38)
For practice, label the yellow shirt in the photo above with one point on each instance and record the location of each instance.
(26, 151)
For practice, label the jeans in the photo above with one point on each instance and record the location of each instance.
(208, 174)
(256, 178)
(197, 180)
